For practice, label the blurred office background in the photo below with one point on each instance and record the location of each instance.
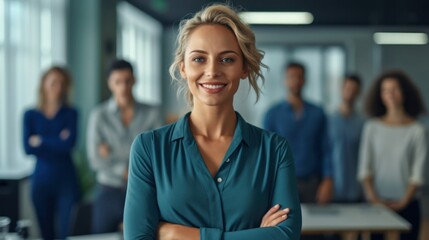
(85, 35)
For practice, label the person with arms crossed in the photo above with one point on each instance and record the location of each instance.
(50, 132)
(111, 129)
(211, 175)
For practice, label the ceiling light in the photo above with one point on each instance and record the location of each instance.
(277, 17)
(400, 38)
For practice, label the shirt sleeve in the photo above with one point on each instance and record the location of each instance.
(93, 141)
(27, 131)
(285, 193)
(365, 154)
(141, 214)
(420, 156)
(325, 146)
(58, 144)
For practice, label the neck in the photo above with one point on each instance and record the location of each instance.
(296, 101)
(346, 108)
(51, 104)
(125, 104)
(50, 108)
(213, 122)
(395, 115)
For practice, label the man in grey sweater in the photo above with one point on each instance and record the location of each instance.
(112, 127)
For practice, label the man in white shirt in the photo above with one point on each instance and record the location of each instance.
(112, 127)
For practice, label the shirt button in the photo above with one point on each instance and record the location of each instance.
(227, 160)
(219, 180)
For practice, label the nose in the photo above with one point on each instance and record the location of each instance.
(212, 69)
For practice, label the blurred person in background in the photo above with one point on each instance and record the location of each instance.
(112, 127)
(50, 135)
(305, 126)
(393, 150)
(345, 127)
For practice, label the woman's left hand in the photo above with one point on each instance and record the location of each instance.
(169, 231)
(165, 231)
(396, 206)
(274, 216)
(64, 134)
(35, 140)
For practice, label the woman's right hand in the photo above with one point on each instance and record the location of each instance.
(274, 216)
(103, 150)
(35, 140)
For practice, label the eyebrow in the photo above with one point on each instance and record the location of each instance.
(223, 52)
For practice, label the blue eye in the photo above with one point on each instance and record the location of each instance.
(198, 59)
(227, 60)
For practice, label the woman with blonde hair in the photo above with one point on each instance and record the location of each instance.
(50, 134)
(212, 175)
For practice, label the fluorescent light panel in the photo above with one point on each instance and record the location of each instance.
(395, 38)
(277, 17)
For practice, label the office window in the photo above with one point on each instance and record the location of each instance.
(139, 41)
(32, 38)
(325, 67)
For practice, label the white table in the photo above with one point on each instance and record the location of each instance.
(106, 236)
(350, 220)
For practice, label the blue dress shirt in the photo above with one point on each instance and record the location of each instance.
(170, 182)
(345, 134)
(307, 134)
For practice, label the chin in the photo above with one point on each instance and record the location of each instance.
(213, 102)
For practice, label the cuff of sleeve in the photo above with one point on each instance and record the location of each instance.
(327, 173)
(416, 180)
(210, 234)
(363, 174)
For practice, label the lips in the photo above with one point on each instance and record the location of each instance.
(213, 86)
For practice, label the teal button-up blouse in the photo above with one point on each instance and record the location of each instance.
(169, 181)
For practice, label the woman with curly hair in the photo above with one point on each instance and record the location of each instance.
(393, 148)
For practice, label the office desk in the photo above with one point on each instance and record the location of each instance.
(14, 193)
(106, 236)
(350, 220)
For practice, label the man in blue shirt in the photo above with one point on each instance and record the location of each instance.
(305, 126)
(345, 127)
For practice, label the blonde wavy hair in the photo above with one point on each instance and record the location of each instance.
(66, 87)
(224, 15)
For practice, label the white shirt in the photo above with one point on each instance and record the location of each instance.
(394, 156)
(106, 127)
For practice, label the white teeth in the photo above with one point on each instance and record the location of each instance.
(212, 86)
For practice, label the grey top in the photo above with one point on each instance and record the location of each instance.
(394, 156)
(105, 126)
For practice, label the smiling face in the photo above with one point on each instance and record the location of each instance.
(213, 65)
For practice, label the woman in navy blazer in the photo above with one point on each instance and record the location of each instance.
(50, 134)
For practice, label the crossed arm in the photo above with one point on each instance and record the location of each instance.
(37, 144)
(169, 231)
(142, 219)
